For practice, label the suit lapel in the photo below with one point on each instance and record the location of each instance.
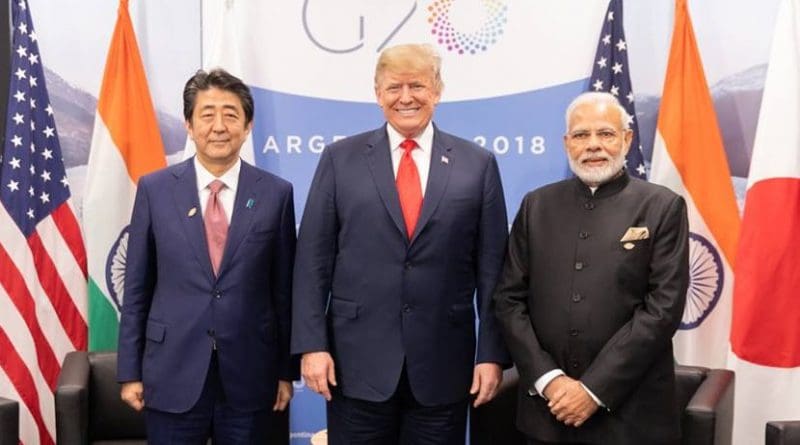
(438, 177)
(243, 206)
(379, 159)
(190, 213)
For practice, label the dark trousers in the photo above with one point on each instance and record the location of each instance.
(401, 420)
(210, 418)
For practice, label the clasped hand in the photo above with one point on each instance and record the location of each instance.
(569, 401)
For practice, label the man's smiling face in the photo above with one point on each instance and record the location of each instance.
(408, 100)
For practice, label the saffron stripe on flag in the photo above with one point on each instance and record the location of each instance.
(689, 158)
(124, 102)
(126, 144)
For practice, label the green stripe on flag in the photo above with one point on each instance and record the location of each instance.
(103, 320)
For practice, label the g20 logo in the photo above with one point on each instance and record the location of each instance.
(494, 19)
(444, 29)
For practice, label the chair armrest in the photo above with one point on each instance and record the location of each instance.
(9, 422)
(783, 433)
(710, 409)
(72, 400)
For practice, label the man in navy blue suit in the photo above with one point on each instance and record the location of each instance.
(204, 333)
(401, 243)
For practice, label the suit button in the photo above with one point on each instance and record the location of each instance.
(573, 332)
(217, 293)
(406, 308)
(407, 265)
(579, 265)
(588, 206)
(576, 297)
(583, 235)
(574, 363)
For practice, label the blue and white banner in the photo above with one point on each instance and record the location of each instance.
(509, 68)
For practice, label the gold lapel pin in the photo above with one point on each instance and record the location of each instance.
(192, 212)
(629, 246)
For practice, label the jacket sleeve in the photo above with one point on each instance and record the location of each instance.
(288, 366)
(492, 239)
(511, 304)
(140, 278)
(316, 253)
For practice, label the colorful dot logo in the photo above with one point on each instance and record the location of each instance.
(474, 42)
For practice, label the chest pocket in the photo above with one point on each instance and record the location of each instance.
(633, 260)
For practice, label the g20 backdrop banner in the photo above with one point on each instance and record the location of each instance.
(510, 67)
(509, 72)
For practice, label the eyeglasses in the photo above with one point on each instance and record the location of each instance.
(605, 135)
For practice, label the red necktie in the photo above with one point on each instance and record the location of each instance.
(408, 187)
(216, 223)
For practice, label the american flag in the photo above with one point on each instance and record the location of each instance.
(42, 256)
(610, 73)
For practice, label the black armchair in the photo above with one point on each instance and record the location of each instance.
(9, 422)
(88, 405)
(705, 395)
(783, 433)
(89, 408)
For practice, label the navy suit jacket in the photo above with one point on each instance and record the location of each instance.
(174, 306)
(374, 299)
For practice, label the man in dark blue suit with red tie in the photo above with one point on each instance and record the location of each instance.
(401, 243)
(204, 333)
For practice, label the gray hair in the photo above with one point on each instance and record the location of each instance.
(596, 98)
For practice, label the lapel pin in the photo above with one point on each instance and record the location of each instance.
(250, 203)
(445, 160)
(192, 212)
(628, 246)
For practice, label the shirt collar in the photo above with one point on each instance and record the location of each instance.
(230, 178)
(424, 140)
(612, 187)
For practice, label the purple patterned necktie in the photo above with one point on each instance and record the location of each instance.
(216, 223)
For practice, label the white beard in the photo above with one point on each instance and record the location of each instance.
(594, 176)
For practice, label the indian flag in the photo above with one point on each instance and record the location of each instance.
(689, 158)
(126, 144)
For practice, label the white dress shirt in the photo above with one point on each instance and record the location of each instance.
(226, 195)
(421, 155)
